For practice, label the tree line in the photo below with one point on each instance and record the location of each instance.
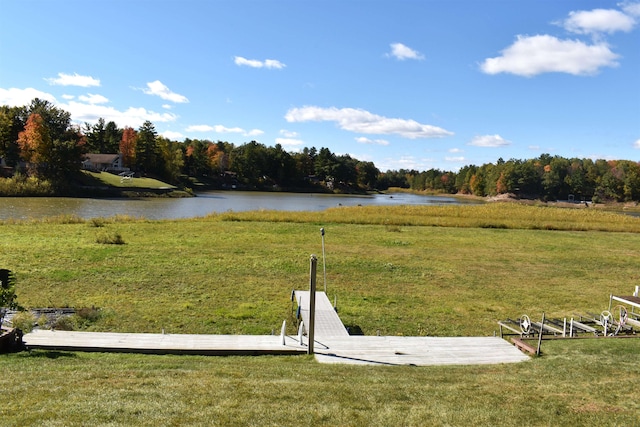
(39, 140)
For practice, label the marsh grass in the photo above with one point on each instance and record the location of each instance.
(489, 215)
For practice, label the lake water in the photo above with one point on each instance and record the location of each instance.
(206, 203)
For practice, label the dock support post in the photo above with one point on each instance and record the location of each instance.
(301, 333)
(324, 262)
(540, 336)
(312, 303)
(283, 332)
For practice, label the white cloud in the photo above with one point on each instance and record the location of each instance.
(223, 129)
(456, 150)
(636, 144)
(157, 88)
(174, 136)
(132, 116)
(255, 63)
(167, 106)
(529, 56)
(361, 121)
(630, 8)
(405, 162)
(455, 159)
(365, 140)
(199, 128)
(91, 98)
(73, 80)
(489, 141)
(82, 112)
(288, 133)
(289, 142)
(68, 97)
(598, 21)
(402, 52)
(254, 132)
(14, 97)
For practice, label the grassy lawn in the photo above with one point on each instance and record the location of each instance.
(401, 271)
(111, 180)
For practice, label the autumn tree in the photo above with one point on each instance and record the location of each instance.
(34, 141)
(128, 147)
(56, 120)
(57, 160)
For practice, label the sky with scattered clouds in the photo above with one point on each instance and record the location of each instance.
(409, 84)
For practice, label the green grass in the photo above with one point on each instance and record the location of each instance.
(580, 382)
(392, 271)
(111, 180)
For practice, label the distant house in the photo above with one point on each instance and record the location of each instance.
(104, 163)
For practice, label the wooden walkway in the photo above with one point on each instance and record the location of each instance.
(210, 345)
(417, 351)
(327, 322)
(332, 343)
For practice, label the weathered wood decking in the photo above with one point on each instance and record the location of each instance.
(212, 345)
(418, 351)
(327, 321)
(332, 343)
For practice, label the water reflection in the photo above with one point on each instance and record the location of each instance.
(206, 203)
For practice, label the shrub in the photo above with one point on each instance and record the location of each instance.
(63, 323)
(98, 222)
(110, 238)
(88, 314)
(24, 321)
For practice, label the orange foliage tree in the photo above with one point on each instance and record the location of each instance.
(34, 141)
(128, 147)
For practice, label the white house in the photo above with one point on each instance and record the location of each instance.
(104, 162)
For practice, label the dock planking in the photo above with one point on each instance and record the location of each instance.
(209, 345)
(332, 343)
(418, 351)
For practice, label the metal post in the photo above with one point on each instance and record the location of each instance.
(540, 336)
(312, 303)
(324, 263)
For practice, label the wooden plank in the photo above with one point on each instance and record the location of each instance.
(419, 351)
(521, 345)
(546, 327)
(519, 332)
(633, 322)
(162, 343)
(327, 321)
(628, 299)
(584, 327)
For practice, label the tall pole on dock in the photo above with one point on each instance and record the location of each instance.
(312, 304)
(324, 263)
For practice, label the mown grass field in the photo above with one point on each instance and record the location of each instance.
(443, 271)
(112, 180)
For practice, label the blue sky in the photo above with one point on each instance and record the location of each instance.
(405, 84)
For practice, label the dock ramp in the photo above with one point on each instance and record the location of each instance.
(327, 322)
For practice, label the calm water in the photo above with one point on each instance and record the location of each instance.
(205, 203)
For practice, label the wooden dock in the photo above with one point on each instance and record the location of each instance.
(327, 321)
(210, 345)
(332, 343)
(418, 351)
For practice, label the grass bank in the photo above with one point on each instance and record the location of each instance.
(576, 383)
(400, 270)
